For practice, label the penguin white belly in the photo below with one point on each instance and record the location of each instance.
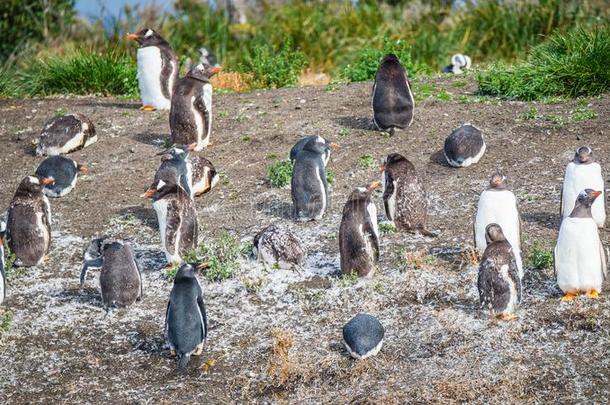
(323, 195)
(372, 211)
(149, 78)
(512, 301)
(207, 102)
(498, 207)
(472, 160)
(160, 207)
(577, 178)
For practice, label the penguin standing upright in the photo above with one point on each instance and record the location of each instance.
(186, 324)
(157, 70)
(464, 146)
(580, 260)
(120, 278)
(499, 283)
(65, 134)
(309, 188)
(582, 173)
(276, 246)
(498, 205)
(404, 196)
(2, 264)
(28, 227)
(176, 168)
(393, 101)
(298, 147)
(359, 233)
(65, 173)
(190, 117)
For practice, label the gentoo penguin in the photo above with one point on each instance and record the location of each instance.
(64, 171)
(393, 101)
(301, 144)
(2, 264)
(65, 134)
(177, 219)
(205, 176)
(186, 324)
(581, 173)
(359, 234)
(499, 283)
(458, 62)
(120, 278)
(404, 196)
(157, 70)
(190, 117)
(580, 260)
(498, 205)
(363, 336)
(207, 57)
(276, 246)
(28, 227)
(464, 146)
(308, 186)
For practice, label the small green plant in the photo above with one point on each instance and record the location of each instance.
(170, 273)
(343, 132)
(253, 285)
(126, 219)
(444, 95)
(349, 279)
(60, 112)
(366, 162)
(458, 84)
(387, 227)
(222, 114)
(279, 174)
(330, 176)
(530, 114)
(5, 322)
(539, 257)
(583, 113)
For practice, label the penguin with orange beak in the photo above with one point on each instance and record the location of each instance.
(298, 147)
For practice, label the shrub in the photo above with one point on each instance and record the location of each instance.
(540, 258)
(279, 174)
(387, 227)
(366, 162)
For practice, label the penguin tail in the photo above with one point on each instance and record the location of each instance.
(183, 360)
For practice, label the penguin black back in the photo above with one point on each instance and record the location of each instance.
(120, 279)
(63, 170)
(464, 146)
(309, 187)
(393, 101)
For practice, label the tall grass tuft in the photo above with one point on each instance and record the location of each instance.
(272, 68)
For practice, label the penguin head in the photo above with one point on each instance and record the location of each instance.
(583, 154)
(189, 271)
(159, 189)
(459, 60)
(390, 58)
(177, 152)
(95, 249)
(147, 37)
(494, 233)
(364, 193)
(394, 161)
(203, 72)
(33, 184)
(318, 145)
(498, 181)
(587, 197)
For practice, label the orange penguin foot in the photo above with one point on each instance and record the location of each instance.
(507, 317)
(593, 294)
(569, 296)
(147, 108)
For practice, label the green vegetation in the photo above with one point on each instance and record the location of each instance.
(221, 254)
(348, 280)
(583, 114)
(366, 162)
(530, 114)
(279, 174)
(387, 227)
(271, 67)
(539, 257)
(5, 322)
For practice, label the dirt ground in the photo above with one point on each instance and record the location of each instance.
(61, 346)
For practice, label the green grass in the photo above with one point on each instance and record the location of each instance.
(279, 173)
(530, 114)
(348, 280)
(444, 95)
(222, 255)
(583, 114)
(387, 227)
(5, 322)
(366, 162)
(539, 257)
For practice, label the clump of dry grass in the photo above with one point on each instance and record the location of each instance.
(312, 78)
(470, 256)
(418, 259)
(233, 81)
(280, 367)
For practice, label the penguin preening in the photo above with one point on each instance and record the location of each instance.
(309, 188)
(2, 263)
(359, 233)
(276, 246)
(300, 144)
(458, 62)
(186, 324)
(363, 336)
(498, 205)
(190, 117)
(580, 260)
(157, 70)
(28, 228)
(65, 134)
(499, 283)
(393, 101)
(464, 146)
(120, 277)
(582, 173)
(64, 171)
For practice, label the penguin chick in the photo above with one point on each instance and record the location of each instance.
(393, 102)
(359, 234)
(404, 196)
(65, 134)
(363, 336)
(458, 62)
(28, 227)
(177, 219)
(2, 263)
(190, 117)
(157, 69)
(121, 276)
(65, 172)
(498, 205)
(205, 176)
(298, 147)
(499, 283)
(309, 188)
(580, 260)
(464, 146)
(275, 246)
(582, 173)
(186, 324)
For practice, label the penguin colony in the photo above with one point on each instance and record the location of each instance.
(580, 261)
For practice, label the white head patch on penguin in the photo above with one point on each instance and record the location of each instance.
(300, 144)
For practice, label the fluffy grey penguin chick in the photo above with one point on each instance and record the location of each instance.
(279, 247)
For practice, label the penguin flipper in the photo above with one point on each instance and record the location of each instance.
(96, 263)
(165, 330)
(561, 203)
(513, 273)
(166, 71)
(603, 259)
(204, 318)
(485, 286)
(172, 229)
(387, 194)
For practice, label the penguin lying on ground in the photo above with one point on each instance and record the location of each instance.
(498, 205)
(186, 324)
(190, 117)
(298, 147)
(309, 188)
(278, 247)
(363, 336)
(157, 70)
(359, 234)
(458, 62)
(65, 173)
(205, 176)
(464, 146)
(28, 228)
(65, 134)
(499, 283)
(393, 101)
(580, 260)
(582, 173)
(2, 264)
(120, 278)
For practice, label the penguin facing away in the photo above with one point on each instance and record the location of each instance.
(2, 263)
(309, 188)
(363, 336)
(580, 260)
(498, 205)
(582, 173)
(276, 246)
(28, 227)
(157, 70)
(65, 173)
(186, 325)
(464, 146)
(65, 134)
(120, 278)
(499, 283)
(300, 144)
(458, 62)
(359, 233)
(190, 117)
(393, 102)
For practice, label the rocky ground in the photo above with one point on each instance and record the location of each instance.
(276, 334)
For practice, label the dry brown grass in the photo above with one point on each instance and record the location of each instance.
(312, 78)
(280, 367)
(470, 256)
(233, 81)
(419, 259)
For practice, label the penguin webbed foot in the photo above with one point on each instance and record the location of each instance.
(507, 317)
(147, 108)
(569, 297)
(592, 294)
